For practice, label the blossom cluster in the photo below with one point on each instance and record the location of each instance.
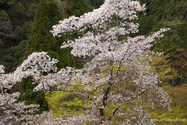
(100, 17)
(9, 103)
(33, 66)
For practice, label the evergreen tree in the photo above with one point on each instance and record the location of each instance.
(40, 39)
(178, 62)
(76, 7)
(164, 45)
(47, 14)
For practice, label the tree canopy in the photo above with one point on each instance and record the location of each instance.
(101, 96)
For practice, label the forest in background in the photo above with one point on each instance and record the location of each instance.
(19, 20)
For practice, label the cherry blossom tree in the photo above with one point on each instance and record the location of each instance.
(106, 92)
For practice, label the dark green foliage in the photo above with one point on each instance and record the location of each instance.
(17, 8)
(183, 34)
(177, 32)
(5, 4)
(1, 49)
(164, 45)
(4, 16)
(12, 58)
(31, 10)
(9, 2)
(174, 38)
(17, 12)
(17, 54)
(5, 29)
(146, 24)
(1, 44)
(96, 3)
(76, 7)
(23, 32)
(14, 27)
(167, 13)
